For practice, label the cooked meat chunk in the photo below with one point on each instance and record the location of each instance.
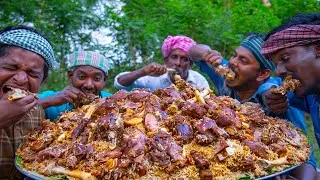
(258, 148)
(205, 174)
(184, 132)
(200, 161)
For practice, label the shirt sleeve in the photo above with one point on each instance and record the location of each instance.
(53, 112)
(104, 94)
(201, 81)
(299, 103)
(139, 83)
(46, 94)
(217, 80)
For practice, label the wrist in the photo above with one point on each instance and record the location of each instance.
(142, 72)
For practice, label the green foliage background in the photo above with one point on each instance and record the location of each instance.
(140, 26)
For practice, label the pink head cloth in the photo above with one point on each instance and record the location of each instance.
(183, 43)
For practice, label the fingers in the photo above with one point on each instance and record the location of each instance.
(275, 102)
(213, 57)
(76, 91)
(26, 100)
(156, 69)
(28, 107)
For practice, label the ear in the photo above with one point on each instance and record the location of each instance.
(165, 60)
(70, 75)
(105, 77)
(317, 50)
(263, 75)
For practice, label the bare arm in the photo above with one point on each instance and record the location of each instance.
(68, 94)
(152, 69)
(128, 79)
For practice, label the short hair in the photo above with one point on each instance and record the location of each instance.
(299, 19)
(4, 48)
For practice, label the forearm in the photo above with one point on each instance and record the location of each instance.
(47, 102)
(305, 171)
(129, 78)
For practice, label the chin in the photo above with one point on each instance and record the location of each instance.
(301, 92)
(230, 84)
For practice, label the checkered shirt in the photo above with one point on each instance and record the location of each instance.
(12, 137)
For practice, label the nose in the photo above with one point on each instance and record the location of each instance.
(281, 70)
(89, 84)
(20, 78)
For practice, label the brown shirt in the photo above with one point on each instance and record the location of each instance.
(12, 137)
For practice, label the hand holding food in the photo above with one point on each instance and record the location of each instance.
(154, 69)
(212, 57)
(288, 84)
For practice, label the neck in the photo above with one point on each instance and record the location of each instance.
(246, 92)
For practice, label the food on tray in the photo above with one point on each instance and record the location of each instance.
(173, 133)
(288, 84)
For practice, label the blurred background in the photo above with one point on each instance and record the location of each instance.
(130, 32)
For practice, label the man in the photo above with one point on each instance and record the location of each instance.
(87, 72)
(295, 48)
(154, 76)
(25, 58)
(252, 77)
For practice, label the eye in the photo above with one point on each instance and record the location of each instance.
(185, 59)
(98, 78)
(243, 60)
(173, 56)
(284, 58)
(81, 76)
(9, 67)
(33, 74)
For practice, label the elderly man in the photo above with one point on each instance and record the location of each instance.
(25, 58)
(87, 72)
(295, 48)
(252, 77)
(154, 76)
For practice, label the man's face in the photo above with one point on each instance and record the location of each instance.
(22, 69)
(246, 68)
(179, 61)
(300, 62)
(88, 79)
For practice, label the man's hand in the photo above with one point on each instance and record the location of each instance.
(154, 69)
(68, 94)
(213, 57)
(277, 103)
(13, 111)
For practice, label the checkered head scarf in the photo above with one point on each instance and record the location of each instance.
(87, 58)
(298, 35)
(176, 42)
(253, 43)
(31, 41)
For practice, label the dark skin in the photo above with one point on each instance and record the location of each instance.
(22, 69)
(249, 75)
(303, 63)
(177, 60)
(83, 80)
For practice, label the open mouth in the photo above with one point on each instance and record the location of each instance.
(7, 89)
